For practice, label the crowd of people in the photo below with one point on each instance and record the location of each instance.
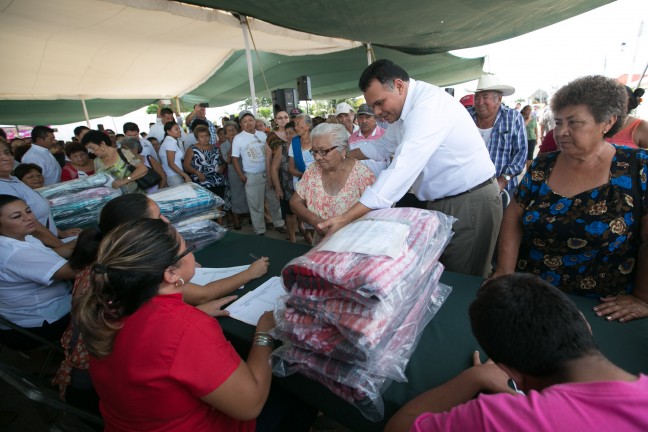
(575, 219)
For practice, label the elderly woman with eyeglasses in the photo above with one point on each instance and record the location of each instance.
(334, 183)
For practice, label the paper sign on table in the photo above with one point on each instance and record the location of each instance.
(370, 237)
(252, 305)
(204, 275)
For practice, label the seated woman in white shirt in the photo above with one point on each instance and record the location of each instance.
(35, 283)
(171, 155)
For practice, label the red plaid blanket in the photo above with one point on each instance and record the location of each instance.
(370, 276)
(351, 383)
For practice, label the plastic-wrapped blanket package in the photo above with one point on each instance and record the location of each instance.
(77, 203)
(76, 185)
(201, 233)
(352, 317)
(185, 201)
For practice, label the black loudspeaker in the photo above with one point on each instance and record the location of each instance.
(449, 90)
(304, 87)
(284, 100)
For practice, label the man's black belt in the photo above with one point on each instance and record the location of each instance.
(472, 189)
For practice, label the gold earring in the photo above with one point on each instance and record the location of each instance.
(182, 282)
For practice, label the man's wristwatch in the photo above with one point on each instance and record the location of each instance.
(506, 177)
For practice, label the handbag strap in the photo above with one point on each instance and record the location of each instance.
(128, 164)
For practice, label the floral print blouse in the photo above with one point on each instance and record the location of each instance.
(311, 189)
(586, 244)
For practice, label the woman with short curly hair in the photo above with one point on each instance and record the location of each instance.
(580, 216)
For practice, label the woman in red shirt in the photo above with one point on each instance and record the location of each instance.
(80, 164)
(157, 363)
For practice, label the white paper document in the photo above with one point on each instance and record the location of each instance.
(204, 275)
(370, 237)
(252, 305)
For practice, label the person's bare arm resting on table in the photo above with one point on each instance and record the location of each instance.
(199, 295)
(510, 237)
(481, 378)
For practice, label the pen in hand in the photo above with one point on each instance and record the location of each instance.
(253, 256)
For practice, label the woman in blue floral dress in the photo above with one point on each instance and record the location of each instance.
(580, 214)
(205, 166)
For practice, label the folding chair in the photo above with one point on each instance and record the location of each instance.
(52, 347)
(42, 393)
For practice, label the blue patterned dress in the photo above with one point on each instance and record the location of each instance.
(586, 244)
(209, 162)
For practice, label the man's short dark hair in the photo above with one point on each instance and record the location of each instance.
(198, 122)
(528, 324)
(166, 111)
(40, 132)
(385, 71)
(79, 129)
(131, 127)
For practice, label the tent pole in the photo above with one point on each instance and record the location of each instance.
(248, 57)
(85, 112)
(368, 45)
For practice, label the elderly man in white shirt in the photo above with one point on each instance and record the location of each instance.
(39, 154)
(248, 159)
(440, 155)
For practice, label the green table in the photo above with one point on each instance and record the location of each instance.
(445, 347)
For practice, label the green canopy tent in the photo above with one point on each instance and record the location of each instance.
(117, 55)
(333, 75)
(414, 26)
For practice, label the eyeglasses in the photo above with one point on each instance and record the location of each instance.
(322, 152)
(183, 254)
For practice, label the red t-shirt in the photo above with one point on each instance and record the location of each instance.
(70, 173)
(165, 357)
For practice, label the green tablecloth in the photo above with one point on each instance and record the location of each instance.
(446, 344)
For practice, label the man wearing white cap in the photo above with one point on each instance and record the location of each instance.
(439, 154)
(345, 116)
(502, 129)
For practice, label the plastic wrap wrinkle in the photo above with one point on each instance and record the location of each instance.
(77, 203)
(202, 233)
(185, 201)
(76, 185)
(351, 320)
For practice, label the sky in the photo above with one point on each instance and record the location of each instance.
(603, 41)
(609, 40)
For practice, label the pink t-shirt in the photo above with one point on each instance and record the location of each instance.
(165, 357)
(616, 406)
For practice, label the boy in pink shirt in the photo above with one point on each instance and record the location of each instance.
(538, 338)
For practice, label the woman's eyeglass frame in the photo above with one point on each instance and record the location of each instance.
(322, 152)
(186, 252)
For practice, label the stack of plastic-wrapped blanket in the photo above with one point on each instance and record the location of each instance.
(77, 203)
(190, 207)
(354, 311)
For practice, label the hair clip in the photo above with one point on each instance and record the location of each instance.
(100, 269)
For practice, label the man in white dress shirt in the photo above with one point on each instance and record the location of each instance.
(165, 115)
(439, 154)
(39, 154)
